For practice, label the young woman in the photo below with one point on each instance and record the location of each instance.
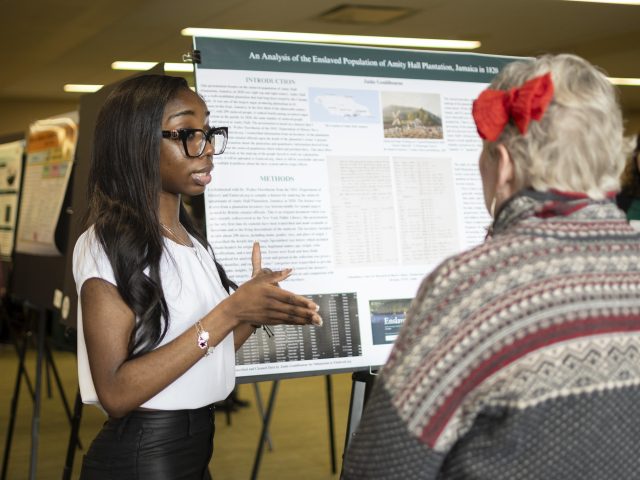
(157, 328)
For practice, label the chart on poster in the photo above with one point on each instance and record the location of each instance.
(355, 166)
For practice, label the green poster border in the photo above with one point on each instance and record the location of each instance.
(311, 58)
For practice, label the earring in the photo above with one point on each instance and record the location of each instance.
(492, 208)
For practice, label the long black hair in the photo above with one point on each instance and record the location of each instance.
(124, 188)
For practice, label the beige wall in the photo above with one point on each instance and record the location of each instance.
(16, 115)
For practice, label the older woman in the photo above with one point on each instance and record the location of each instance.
(520, 358)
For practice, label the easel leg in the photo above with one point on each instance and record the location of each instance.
(14, 406)
(73, 437)
(332, 439)
(360, 388)
(265, 428)
(43, 353)
(261, 413)
(356, 404)
(47, 370)
(35, 424)
(56, 377)
(13, 335)
(23, 368)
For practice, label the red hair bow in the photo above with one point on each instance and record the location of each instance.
(493, 108)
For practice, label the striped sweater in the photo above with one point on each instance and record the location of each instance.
(519, 359)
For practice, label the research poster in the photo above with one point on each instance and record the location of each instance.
(10, 178)
(358, 168)
(51, 146)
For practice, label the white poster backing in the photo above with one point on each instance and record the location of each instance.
(357, 167)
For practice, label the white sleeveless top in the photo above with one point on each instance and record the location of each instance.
(192, 288)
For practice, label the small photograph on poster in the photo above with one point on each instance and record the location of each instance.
(412, 115)
(10, 173)
(331, 105)
(8, 205)
(338, 337)
(387, 317)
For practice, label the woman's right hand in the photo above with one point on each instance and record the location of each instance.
(260, 301)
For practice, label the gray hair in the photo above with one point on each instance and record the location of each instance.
(578, 144)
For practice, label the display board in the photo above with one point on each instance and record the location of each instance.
(11, 153)
(358, 168)
(43, 220)
(51, 146)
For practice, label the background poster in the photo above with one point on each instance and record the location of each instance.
(10, 177)
(51, 146)
(355, 166)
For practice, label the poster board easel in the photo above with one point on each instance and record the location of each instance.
(358, 167)
(33, 277)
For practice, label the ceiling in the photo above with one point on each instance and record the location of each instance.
(48, 43)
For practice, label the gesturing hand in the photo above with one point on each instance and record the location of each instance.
(256, 262)
(260, 301)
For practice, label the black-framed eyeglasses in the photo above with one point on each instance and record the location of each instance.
(194, 140)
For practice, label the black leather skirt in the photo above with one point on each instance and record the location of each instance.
(153, 445)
